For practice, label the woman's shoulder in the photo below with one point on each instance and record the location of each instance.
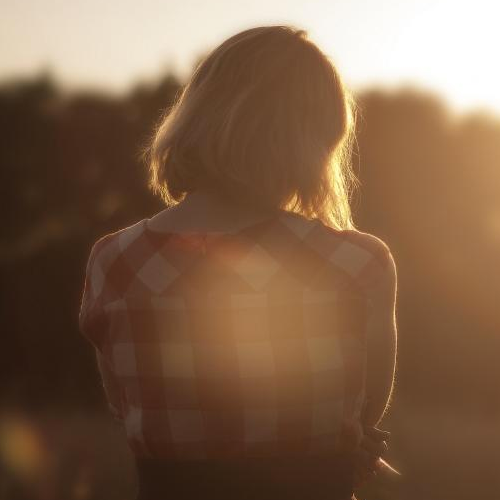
(365, 257)
(354, 242)
(115, 242)
(371, 243)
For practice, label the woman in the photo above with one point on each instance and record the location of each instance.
(246, 334)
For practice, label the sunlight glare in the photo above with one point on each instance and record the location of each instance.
(445, 46)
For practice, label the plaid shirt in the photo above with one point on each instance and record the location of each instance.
(249, 344)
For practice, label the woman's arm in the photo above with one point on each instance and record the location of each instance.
(382, 345)
(111, 387)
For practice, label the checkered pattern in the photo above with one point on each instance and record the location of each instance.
(233, 345)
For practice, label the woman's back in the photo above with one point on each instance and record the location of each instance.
(218, 345)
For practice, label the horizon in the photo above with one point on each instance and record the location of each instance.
(453, 111)
(373, 46)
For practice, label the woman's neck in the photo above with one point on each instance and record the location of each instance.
(205, 210)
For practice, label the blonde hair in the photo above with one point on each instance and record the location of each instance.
(265, 120)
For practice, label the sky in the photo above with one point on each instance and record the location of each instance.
(449, 47)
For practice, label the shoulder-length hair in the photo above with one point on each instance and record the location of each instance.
(265, 120)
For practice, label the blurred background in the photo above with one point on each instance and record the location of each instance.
(81, 86)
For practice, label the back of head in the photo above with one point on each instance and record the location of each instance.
(265, 120)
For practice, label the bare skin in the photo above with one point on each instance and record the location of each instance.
(203, 210)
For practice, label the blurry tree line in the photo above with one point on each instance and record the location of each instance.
(71, 173)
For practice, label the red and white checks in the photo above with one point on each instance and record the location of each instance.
(249, 344)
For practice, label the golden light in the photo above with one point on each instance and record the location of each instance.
(22, 448)
(449, 47)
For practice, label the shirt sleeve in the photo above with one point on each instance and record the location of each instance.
(373, 259)
(91, 319)
(93, 325)
(111, 386)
